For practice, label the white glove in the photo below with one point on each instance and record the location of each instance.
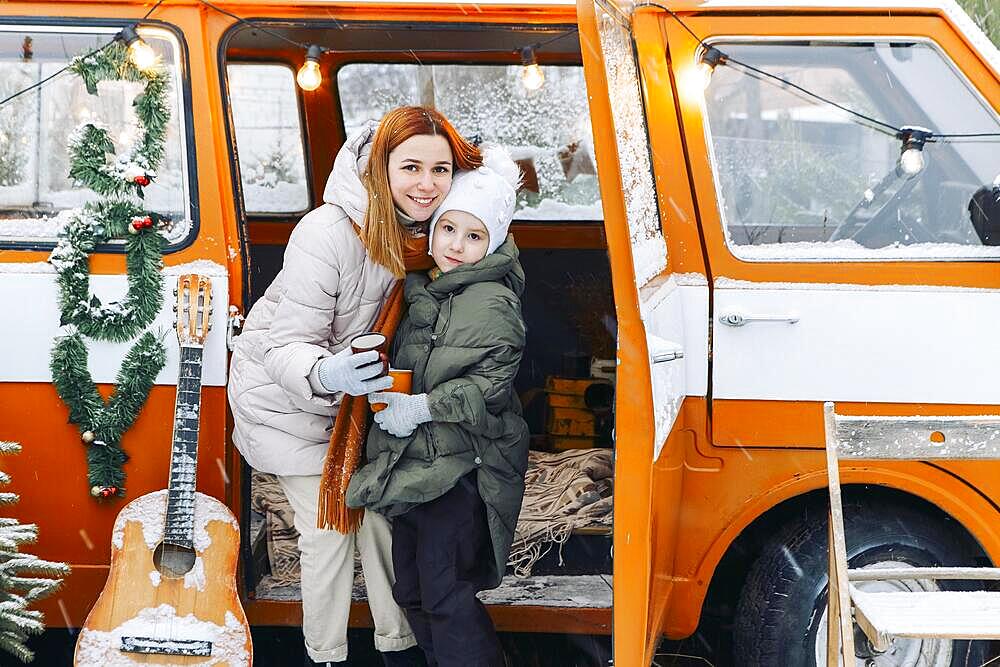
(350, 373)
(403, 413)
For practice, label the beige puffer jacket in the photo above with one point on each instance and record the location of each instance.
(327, 292)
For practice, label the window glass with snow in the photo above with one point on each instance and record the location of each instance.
(36, 126)
(547, 130)
(799, 178)
(265, 108)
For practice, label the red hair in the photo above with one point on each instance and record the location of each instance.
(383, 237)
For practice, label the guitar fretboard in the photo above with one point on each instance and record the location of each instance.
(179, 527)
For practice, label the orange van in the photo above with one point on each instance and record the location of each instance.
(749, 207)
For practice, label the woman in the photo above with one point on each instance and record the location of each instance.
(292, 365)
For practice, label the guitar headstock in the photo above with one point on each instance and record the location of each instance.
(194, 308)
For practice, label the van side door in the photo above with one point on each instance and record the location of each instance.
(654, 356)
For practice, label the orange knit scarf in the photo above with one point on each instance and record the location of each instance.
(351, 424)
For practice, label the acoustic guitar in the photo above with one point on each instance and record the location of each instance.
(171, 598)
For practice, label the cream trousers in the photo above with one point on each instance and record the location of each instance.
(328, 577)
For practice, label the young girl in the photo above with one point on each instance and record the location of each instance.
(447, 462)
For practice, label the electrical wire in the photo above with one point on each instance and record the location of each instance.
(885, 126)
(152, 9)
(255, 25)
(785, 82)
(41, 82)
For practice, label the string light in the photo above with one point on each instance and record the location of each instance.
(140, 53)
(532, 76)
(310, 76)
(710, 59)
(911, 158)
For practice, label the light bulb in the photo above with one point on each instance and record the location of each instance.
(705, 74)
(911, 159)
(911, 162)
(310, 76)
(710, 59)
(140, 53)
(532, 77)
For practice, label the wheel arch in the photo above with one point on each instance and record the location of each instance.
(716, 582)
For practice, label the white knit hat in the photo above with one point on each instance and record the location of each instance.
(488, 193)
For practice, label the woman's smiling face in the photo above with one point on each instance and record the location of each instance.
(420, 171)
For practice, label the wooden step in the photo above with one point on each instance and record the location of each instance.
(560, 604)
(954, 614)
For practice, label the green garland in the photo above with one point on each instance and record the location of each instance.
(117, 214)
(106, 421)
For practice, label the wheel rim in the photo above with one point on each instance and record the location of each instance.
(903, 652)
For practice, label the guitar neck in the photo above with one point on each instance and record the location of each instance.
(179, 527)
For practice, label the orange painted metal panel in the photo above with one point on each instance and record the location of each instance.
(51, 472)
(744, 423)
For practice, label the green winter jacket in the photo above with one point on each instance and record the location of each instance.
(463, 336)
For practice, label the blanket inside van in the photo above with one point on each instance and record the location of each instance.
(564, 491)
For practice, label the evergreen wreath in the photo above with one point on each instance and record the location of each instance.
(117, 214)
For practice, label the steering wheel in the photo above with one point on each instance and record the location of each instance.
(863, 218)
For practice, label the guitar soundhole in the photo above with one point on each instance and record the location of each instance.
(173, 561)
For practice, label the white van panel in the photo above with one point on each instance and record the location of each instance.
(694, 299)
(675, 316)
(29, 301)
(893, 343)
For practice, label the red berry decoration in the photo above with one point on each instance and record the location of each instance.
(146, 222)
(141, 180)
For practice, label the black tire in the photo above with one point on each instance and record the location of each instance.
(783, 601)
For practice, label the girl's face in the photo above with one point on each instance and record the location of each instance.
(459, 238)
(420, 171)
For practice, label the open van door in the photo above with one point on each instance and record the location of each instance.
(651, 379)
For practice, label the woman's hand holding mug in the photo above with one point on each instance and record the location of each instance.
(354, 373)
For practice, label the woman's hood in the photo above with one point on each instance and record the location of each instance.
(344, 187)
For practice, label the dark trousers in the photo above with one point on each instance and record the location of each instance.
(442, 555)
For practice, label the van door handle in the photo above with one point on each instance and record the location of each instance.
(738, 319)
(661, 350)
(667, 355)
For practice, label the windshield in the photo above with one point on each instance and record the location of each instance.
(800, 178)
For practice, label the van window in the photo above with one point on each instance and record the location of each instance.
(269, 138)
(546, 130)
(35, 128)
(801, 179)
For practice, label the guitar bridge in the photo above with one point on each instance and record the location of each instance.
(153, 646)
